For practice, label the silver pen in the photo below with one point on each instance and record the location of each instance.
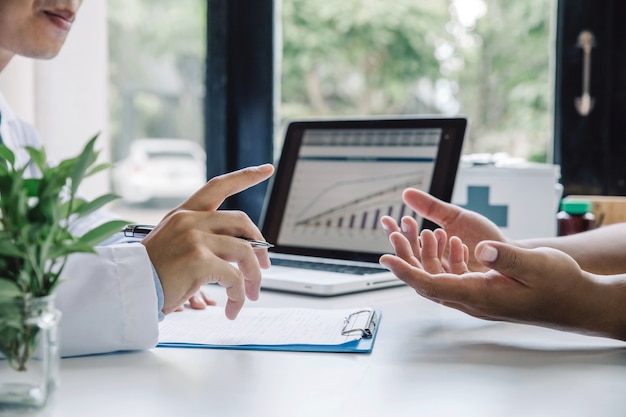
(260, 244)
(142, 230)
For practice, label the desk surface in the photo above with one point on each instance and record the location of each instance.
(428, 360)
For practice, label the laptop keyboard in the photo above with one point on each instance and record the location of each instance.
(318, 266)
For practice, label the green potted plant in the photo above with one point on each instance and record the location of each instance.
(35, 241)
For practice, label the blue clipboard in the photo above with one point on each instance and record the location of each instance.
(365, 344)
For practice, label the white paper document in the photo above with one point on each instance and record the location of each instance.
(265, 327)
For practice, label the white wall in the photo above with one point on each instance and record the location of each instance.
(66, 97)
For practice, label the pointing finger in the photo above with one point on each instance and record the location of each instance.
(217, 189)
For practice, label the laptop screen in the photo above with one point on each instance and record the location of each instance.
(335, 179)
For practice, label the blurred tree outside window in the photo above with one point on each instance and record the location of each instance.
(157, 52)
(487, 59)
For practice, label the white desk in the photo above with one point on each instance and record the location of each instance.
(428, 360)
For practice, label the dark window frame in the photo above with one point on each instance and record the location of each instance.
(239, 100)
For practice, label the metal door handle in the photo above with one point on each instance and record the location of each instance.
(584, 103)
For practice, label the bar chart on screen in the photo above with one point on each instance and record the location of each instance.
(348, 198)
(363, 204)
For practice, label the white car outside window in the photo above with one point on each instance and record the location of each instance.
(160, 169)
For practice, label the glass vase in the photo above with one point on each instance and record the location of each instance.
(29, 362)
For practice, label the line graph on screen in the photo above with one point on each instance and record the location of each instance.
(351, 206)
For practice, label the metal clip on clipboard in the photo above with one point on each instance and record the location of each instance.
(366, 330)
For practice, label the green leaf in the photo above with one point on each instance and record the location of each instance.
(38, 156)
(98, 168)
(66, 206)
(8, 248)
(102, 232)
(85, 159)
(7, 155)
(89, 207)
(4, 170)
(32, 186)
(8, 290)
(71, 248)
(64, 170)
(7, 322)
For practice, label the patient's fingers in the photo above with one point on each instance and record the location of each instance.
(442, 239)
(389, 225)
(431, 259)
(404, 249)
(458, 257)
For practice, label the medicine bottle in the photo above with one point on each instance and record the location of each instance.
(575, 216)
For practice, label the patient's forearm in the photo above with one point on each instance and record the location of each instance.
(600, 251)
(607, 318)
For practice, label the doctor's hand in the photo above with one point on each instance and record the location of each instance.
(195, 244)
(471, 227)
(199, 301)
(542, 286)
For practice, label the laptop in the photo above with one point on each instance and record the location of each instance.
(334, 179)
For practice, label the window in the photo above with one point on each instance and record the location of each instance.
(355, 57)
(487, 59)
(156, 57)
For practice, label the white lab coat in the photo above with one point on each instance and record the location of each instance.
(108, 301)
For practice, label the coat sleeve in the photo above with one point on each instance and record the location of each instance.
(108, 301)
